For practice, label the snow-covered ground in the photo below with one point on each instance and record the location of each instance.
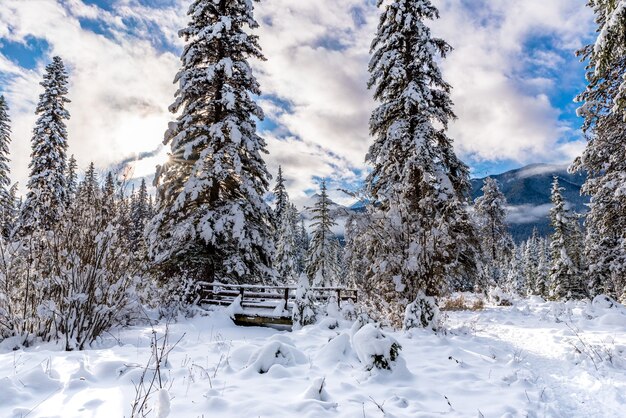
(532, 359)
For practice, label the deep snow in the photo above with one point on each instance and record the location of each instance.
(532, 359)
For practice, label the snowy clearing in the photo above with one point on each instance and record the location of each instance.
(537, 359)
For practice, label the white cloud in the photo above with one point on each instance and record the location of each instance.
(120, 86)
(538, 170)
(504, 112)
(317, 62)
(501, 114)
(525, 214)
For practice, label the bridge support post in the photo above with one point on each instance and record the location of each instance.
(286, 298)
(339, 298)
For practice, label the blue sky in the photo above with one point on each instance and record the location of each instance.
(513, 71)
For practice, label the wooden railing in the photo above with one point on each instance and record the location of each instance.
(268, 297)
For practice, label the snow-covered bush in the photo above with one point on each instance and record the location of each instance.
(500, 297)
(316, 390)
(422, 313)
(337, 349)
(602, 302)
(374, 348)
(606, 310)
(348, 311)
(275, 352)
(304, 304)
(72, 282)
(360, 321)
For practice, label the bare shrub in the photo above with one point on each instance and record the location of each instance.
(72, 282)
(462, 304)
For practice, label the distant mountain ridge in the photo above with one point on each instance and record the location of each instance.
(527, 190)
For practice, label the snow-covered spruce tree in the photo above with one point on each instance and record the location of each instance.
(212, 222)
(421, 240)
(303, 246)
(304, 310)
(322, 266)
(124, 211)
(286, 259)
(47, 184)
(139, 215)
(11, 213)
(577, 243)
(72, 179)
(514, 279)
(542, 287)
(108, 197)
(281, 199)
(355, 249)
(604, 159)
(565, 278)
(5, 139)
(109, 186)
(532, 252)
(496, 241)
(151, 209)
(338, 255)
(88, 188)
(609, 47)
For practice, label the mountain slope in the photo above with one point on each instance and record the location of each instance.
(527, 190)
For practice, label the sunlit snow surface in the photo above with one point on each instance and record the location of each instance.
(501, 362)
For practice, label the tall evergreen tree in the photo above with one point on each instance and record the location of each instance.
(212, 222)
(303, 247)
(604, 158)
(286, 260)
(11, 212)
(514, 281)
(89, 188)
(322, 267)
(108, 197)
(151, 209)
(6, 203)
(604, 161)
(139, 214)
(542, 284)
(609, 47)
(281, 198)
(356, 250)
(109, 185)
(565, 278)
(576, 245)
(532, 254)
(5, 140)
(47, 184)
(423, 239)
(496, 241)
(72, 178)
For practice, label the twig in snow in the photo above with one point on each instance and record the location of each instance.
(379, 406)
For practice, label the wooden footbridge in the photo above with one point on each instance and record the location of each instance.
(268, 305)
